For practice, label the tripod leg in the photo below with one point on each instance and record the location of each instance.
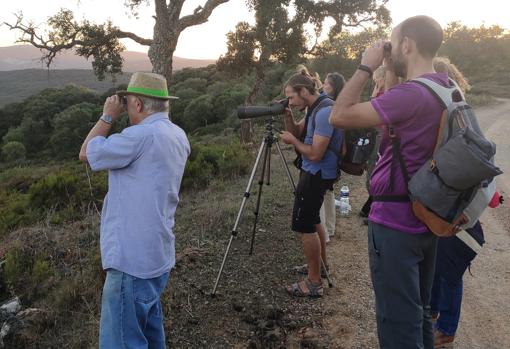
(267, 155)
(268, 182)
(287, 170)
(240, 212)
(330, 283)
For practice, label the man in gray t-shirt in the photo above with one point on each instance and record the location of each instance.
(319, 151)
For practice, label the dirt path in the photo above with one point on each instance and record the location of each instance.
(484, 321)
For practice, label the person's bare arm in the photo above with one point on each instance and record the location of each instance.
(295, 128)
(113, 107)
(348, 112)
(101, 128)
(313, 152)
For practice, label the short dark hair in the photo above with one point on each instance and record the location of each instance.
(425, 31)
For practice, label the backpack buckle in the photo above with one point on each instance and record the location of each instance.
(391, 132)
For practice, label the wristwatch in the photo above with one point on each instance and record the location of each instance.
(106, 118)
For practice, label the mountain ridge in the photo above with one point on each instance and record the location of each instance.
(20, 57)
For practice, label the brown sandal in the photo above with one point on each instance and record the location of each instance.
(315, 290)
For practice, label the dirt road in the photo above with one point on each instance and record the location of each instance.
(485, 313)
(485, 321)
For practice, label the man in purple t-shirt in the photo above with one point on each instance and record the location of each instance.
(401, 248)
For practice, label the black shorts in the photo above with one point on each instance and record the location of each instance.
(308, 201)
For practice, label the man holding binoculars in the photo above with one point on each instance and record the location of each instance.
(145, 164)
(401, 248)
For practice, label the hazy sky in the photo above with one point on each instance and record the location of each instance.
(208, 40)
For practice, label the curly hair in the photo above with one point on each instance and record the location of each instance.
(443, 65)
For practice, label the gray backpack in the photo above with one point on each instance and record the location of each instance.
(451, 190)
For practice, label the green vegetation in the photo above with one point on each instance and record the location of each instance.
(51, 125)
(13, 151)
(482, 54)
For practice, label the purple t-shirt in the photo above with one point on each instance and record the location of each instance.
(415, 115)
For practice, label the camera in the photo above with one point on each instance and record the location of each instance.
(255, 111)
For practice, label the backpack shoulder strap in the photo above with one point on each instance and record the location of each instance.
(442, 94)
(441, 132)
(326, 102)
(444, 97)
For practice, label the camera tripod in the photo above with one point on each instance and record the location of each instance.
(264, 151)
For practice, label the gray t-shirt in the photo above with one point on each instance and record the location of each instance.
(328, 164)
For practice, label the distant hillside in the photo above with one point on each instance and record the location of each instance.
(28, 57)
(19, 84)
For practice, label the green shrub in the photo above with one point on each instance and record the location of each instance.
(17, 264)
(55, 191)
(41, 271)
(66, 296)
(236, 161)
(71, 126)
(29, 193)
(198, 172)
(13, 151)
(13, 135)
(199, 112)
(20, 178)
(222, 161)
(14, 210)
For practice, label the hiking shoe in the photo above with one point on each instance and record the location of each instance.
(442, 341)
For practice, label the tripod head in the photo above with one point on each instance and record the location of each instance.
(269, 136)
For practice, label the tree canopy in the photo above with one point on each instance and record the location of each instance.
(101, 41)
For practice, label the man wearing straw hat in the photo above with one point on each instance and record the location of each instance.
(145, 164)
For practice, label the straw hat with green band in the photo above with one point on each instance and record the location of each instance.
(147, 85)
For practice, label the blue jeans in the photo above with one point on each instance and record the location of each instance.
(446, 300)
(131, 313)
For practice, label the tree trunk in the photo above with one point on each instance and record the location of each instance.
(246, 125)
(162, 50)
(161, 57)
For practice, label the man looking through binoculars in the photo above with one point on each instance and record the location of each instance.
(318, 144)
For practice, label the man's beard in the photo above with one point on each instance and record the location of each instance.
(400, 68)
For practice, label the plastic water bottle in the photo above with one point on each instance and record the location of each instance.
(345, 207)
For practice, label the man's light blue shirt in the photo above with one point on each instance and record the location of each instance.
(145, 164)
